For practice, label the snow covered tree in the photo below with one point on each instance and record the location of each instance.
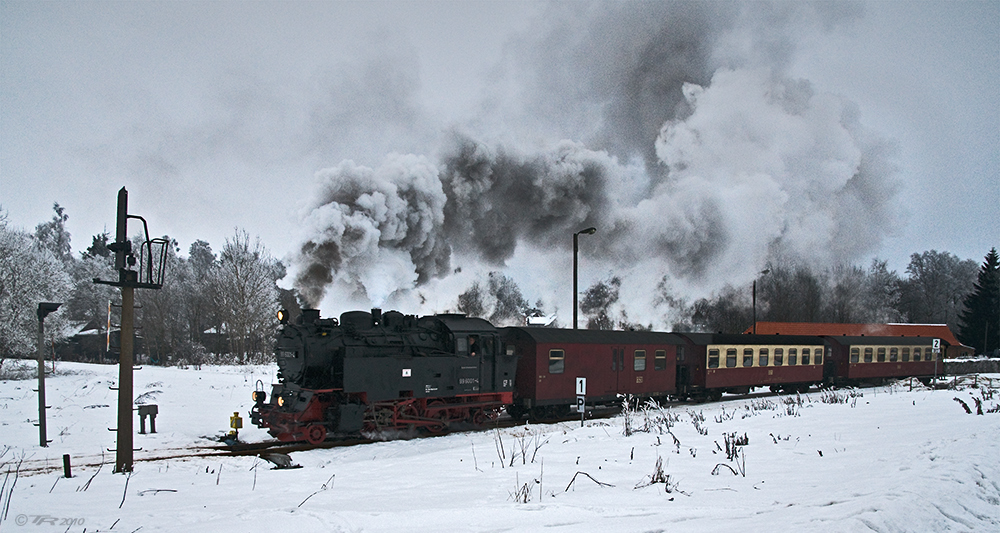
(246, 295)
(54, 236)
(981, 317)
(29, 274)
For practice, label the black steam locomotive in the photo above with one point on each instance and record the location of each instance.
(372, 371)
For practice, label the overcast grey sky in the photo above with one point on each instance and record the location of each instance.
(217, 115)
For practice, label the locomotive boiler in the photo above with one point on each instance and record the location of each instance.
(369, 371)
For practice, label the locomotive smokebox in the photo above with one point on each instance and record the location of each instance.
(310, 316)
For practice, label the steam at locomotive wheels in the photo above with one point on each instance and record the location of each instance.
(371, 372)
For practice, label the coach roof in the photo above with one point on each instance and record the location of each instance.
(592, 336)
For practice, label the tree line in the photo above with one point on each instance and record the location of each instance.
(938, 288)
(219, 307)
(215, 307)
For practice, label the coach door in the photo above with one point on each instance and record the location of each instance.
(617, 366)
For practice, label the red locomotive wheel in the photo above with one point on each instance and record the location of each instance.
(315, 434)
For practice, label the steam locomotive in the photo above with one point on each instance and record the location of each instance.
(370, 371)
(374, 371)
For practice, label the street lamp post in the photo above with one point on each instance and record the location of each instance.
(576, 249)
(754, 296)
(44, 308)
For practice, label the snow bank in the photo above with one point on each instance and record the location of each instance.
(882, 459)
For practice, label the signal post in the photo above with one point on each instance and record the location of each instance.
(149, 275)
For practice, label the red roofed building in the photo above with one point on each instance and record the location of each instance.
(953, 348)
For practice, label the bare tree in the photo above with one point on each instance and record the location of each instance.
(936, 287)
(246, 296)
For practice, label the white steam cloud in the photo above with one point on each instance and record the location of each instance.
(743, 164)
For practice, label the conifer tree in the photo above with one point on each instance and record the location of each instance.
(981, 318)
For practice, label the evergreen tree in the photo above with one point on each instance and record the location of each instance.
(981, 318)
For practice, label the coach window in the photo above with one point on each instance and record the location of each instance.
(660, 359)
(762, 357)
(713, 358)
(639, 363)
(906, 355)
(805, 356)
(855, 355)
(818, 356)
(747, 356)
(557, 361)
(916, 354)
(779, 356)
(893, 354)
(928, 355)
(793, 356)
(881, 355)
(731, 358)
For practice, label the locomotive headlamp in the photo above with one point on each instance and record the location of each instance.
(281, 401)
(259, 396)
(283, 316)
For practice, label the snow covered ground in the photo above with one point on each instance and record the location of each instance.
(879, 459)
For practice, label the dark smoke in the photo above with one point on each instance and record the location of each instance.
(692, 151)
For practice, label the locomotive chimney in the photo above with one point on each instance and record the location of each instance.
(310, 316)
(376, 317)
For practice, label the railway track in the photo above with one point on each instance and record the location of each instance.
(28, 466)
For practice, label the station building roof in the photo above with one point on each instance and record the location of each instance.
(940, 331)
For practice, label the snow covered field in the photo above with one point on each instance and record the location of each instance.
(879, 459)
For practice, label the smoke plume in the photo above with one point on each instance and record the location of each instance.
(671, 127)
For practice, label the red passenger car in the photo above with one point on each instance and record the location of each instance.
(712, 364)
(864, 359)
(641, 363)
